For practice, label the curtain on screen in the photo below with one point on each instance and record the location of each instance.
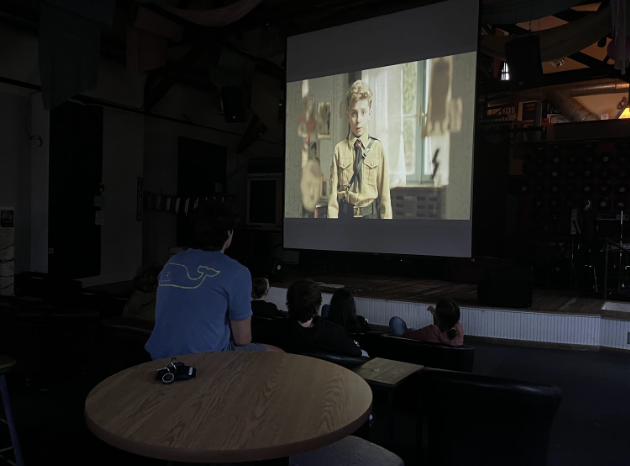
(436, 136)
(386, 122)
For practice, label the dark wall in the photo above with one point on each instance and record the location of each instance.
(76, 163)
(200, 166)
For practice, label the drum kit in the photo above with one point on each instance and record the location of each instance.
(584, 187)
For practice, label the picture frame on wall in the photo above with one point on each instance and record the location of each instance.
(324, 120)
(307, 123)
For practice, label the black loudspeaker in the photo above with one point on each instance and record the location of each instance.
(75, 173)
(233, 107)
(524, 62)
(508, 286)
(268, 267)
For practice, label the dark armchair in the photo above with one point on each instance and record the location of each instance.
(474, 420)
(267, 330)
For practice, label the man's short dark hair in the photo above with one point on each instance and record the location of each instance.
(303, 300)
(211, 224)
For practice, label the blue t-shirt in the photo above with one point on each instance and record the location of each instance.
(199, 292)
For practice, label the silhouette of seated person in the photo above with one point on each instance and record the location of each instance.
(342, 311)
(446, 328)
(260, 307)
(306, 330)
(204, 297)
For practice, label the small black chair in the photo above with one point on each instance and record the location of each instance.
(474, 420)
(6, 365)
(123, 341)
(350, 451)
(108, 306)
(268, 330)
(456, 358)
(44, 286)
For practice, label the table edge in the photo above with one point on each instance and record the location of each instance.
(223, 456)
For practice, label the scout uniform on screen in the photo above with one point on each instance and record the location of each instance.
(359, 182)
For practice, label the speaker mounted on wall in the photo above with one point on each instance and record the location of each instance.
(524, 62)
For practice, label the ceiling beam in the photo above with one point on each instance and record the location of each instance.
(591, 62)
(160, 81)
(580, 57)
(570, 15)
(572, 76)
(212, 36)
(513, 29)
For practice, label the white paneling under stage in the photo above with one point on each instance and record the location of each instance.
(614, 333)
(568, 329)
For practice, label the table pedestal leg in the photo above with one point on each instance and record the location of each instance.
(4, 394)
(389, 435)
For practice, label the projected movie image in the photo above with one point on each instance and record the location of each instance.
(394, 142)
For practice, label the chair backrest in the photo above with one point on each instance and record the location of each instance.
(474, 420)
(349, 362)
(107, 305)
(456, 358)
(131, 329)
(267, 330)
(43, 285)
(123, 342)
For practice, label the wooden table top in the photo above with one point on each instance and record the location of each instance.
(241, 406)
(386, 372)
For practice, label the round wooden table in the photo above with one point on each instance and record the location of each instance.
(242, 406)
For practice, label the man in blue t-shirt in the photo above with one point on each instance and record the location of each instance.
(203, 296)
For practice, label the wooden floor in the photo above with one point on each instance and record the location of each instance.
(399, 288)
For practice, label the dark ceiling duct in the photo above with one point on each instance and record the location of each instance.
(562, 96)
